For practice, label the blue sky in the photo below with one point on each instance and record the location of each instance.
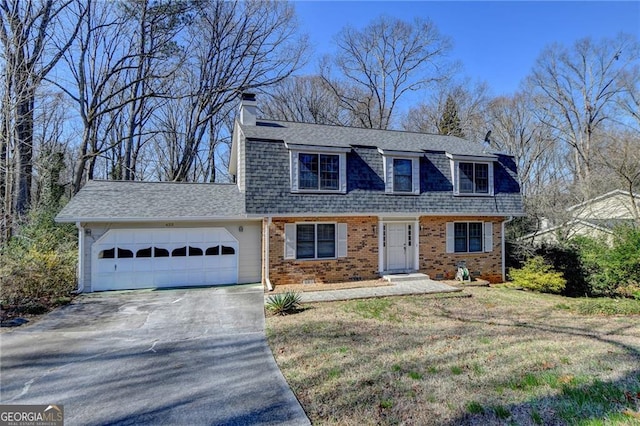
(496, 42)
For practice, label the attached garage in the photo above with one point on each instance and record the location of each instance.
(136, 235)
(124, 259)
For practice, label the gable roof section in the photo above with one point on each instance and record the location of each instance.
(345, 137)
(135, 201)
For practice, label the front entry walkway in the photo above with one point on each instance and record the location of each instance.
(418, 285)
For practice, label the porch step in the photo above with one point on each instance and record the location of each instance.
(405, 277)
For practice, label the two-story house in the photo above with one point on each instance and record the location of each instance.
(310, 203)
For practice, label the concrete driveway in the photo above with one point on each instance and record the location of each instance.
(178, 357)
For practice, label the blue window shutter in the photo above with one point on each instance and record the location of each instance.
(342, 240)
(290, 241)
(450, 237)
(488, 236)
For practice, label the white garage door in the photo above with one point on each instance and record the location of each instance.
(147, 258)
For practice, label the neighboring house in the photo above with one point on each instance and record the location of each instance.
(310, 203)
(596, 217)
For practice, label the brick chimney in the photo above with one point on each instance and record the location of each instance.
(248, 109)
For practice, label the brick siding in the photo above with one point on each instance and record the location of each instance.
(361, 262)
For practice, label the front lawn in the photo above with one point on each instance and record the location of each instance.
(500, 356)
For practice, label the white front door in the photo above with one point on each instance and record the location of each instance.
(399, 249)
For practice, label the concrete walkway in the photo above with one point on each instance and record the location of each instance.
(396, 288)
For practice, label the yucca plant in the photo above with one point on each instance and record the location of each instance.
(283, 303)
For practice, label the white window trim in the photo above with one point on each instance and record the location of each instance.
(294, 168)
(487, 238)
(387, 167)
(290, 231)
(455, 176)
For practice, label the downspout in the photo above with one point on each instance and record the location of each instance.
(266, 254)
(80, 269)
(504, 267)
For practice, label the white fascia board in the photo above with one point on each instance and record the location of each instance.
(479, 158)
(316, 148)
(396, 153)
(86, 220)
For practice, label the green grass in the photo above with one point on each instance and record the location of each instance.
(379, 309)
(427, 361)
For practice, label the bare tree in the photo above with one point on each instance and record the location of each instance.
(381, 63)
(34, 36)
(233, 47)
(306, 99)
(579, 86)
(471, 100)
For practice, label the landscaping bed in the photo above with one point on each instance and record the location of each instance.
(502, 356)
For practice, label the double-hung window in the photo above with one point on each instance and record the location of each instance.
(401, 172)
(472, 174)
(473, 178)
(402, 175)
(319, 171)
(315, 240)
(469, 237)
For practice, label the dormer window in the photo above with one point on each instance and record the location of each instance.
(472, 175)
(401, 172)
(318, 169)
(473, 178)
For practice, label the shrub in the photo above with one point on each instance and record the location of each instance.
(283, 303)
(537, 275)
(38, 266)
(612, 270)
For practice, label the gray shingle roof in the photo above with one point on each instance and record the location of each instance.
(114, 201)
(336, 136)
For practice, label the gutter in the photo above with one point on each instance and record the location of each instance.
(266, 254)
(504, 268)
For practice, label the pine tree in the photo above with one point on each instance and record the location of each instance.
(449, 123)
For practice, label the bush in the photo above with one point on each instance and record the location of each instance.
(612, 270)
(537, 275)
(283, 303)
(38, 267)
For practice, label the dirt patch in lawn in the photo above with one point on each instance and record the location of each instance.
(501, 356)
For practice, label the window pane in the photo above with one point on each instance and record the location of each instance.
(308, 176)
(124, 254)
(475, 237)
(482, 178)
(460, 237)
(401, 175)
(326, 240)
(329, 171)
(213, 251)
(305, 241)
(160, 252)
(146, 252)
(107, 254)
(228, 250)
(466, 177)
(195, 251)
(179, 252)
